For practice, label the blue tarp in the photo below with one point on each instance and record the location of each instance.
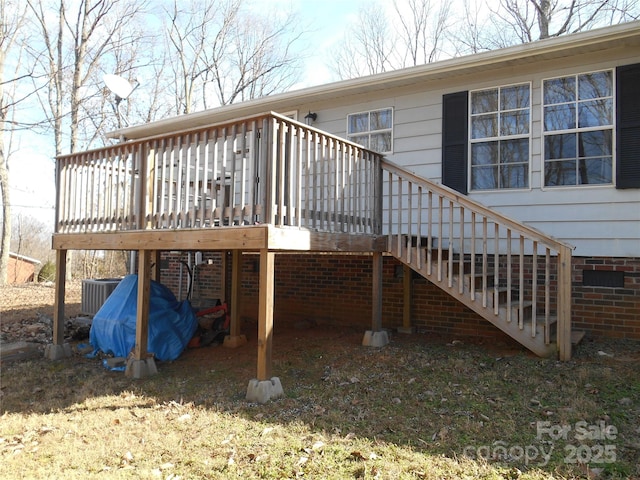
(171, 323)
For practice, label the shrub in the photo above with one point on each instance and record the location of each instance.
(47, 272)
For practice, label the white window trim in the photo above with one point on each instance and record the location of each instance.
(613, 127)
(370, 132)
(470, 141)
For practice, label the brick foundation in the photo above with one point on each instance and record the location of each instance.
(336, 290)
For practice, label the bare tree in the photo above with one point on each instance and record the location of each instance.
(11, 21)
(417, 32)
(525, 21)
(366, 49)
(31, 237)
(75, 40)
(422, 27)
(473, 31)
(223, 53)
(83, 37)
(260, 61)
(410, 34)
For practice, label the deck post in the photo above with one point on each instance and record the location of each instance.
(376, 337)
(235, 339)
(407, 300)
(58, 349)
(142, 363)
(265, 387)
(564, 303)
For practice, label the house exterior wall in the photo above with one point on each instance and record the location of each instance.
(602, 222)
(597, 219)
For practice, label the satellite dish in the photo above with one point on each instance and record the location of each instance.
(120, 87)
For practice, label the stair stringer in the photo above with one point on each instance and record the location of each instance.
(535, 343)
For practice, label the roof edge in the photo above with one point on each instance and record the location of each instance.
(467, 62)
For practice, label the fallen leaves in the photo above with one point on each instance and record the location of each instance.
(29, 441)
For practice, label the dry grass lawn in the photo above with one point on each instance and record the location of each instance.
(420, 408)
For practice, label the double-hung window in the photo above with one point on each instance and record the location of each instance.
(500, 126)
(578, 116)
(373, 129)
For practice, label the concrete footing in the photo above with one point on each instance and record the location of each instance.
(375, 339)
(57, 352)
(235, 341)
(262, 391)
(407, 330)
(141, 368)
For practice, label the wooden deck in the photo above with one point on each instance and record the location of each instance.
(269, 184)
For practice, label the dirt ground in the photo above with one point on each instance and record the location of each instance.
(26, 315)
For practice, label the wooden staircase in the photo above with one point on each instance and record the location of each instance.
(477, 290)
(512, 275)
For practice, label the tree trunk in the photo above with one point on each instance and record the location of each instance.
(4, 186)
(543, 11)
(6, 213)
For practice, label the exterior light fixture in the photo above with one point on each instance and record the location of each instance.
(310, 117)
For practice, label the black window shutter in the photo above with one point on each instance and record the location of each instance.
(455, 122)
(628, 125)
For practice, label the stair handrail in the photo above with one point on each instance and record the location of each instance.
(478, 207)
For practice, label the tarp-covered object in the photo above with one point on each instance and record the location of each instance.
(171, 323)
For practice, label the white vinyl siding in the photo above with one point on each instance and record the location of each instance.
(603, 221)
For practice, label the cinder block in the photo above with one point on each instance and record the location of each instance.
(57, 352)
(375, 339)
(262, 391)
(141, 368)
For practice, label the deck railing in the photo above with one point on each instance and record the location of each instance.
(447, 235)
(264, 169)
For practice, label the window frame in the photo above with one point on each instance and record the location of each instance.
(471, 141)
(577, 129)
(370, 132)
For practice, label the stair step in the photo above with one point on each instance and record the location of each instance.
(424, 242)
(525, 313)
(503, 293)
(476, 280)
(577, 336)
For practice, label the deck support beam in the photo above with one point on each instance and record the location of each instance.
(376, 337)
(58, 349)
(407, 300)
(142, 363)
(264, 387)
(235, 338)
(564, 304)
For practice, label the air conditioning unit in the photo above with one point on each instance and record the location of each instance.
(95, 292)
